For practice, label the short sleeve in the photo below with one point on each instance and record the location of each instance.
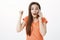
(44, 20)
(25, 19)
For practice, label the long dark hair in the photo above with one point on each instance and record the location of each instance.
(30, 18)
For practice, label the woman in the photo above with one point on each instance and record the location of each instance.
(35, 23)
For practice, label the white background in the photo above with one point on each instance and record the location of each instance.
(9, 15)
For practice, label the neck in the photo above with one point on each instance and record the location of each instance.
(35, 19)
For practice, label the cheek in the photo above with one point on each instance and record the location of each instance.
(32, 11)
(37, 11)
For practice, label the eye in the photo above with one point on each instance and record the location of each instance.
(32, 8)
(36, 8)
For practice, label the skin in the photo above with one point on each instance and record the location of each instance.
(34, 10)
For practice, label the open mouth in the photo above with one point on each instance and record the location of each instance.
(34, 14)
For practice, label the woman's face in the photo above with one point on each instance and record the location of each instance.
(34, 10)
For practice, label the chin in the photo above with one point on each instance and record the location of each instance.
(34, 16)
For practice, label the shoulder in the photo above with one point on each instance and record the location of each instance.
(25, 18)
(44, 20)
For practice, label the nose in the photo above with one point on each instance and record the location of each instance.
(34, 11)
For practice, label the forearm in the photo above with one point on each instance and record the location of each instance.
(19, 28)
(43, 29)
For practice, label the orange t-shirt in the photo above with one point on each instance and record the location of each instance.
(35, 31)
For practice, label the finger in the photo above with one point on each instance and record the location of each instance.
(21, 12)
(40, 14)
